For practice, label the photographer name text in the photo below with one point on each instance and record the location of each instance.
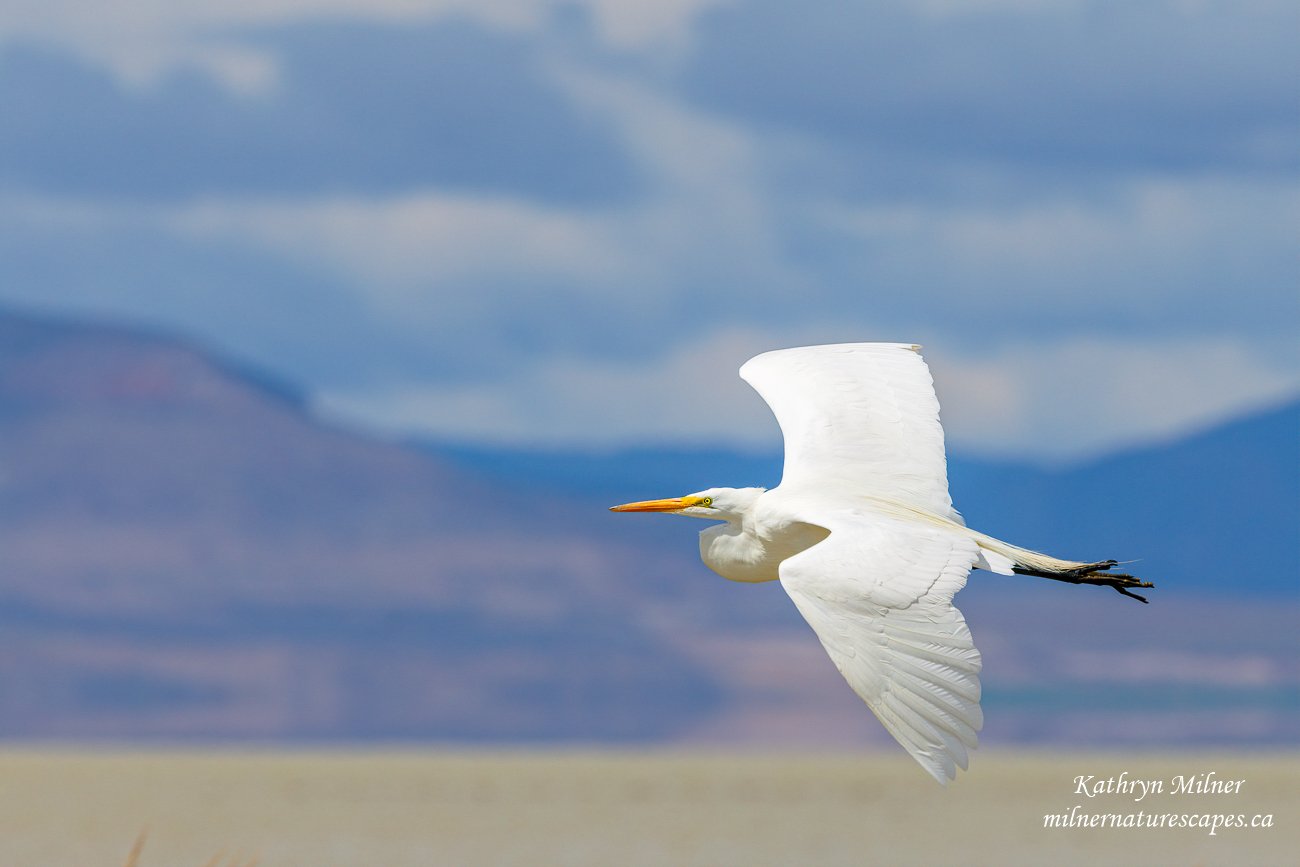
(1207, 783)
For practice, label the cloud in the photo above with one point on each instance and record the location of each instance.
(1086, 87)
(689, 394)
(116, 262)
(355, 109)
(433, 300)
(697, 247)
(527, 219)
(1065, 399)
(1024, 400)
(142, 41)
(403, 245)
(1199, 254)
(637, 25)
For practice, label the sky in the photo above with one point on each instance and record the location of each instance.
(568, 223)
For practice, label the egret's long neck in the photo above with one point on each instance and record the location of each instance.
(738, 554)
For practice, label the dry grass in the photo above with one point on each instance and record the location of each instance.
(356, 809)
(217, 860)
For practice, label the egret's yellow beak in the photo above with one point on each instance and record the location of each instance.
(672, 504)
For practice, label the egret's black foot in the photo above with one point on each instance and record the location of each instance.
(1093, 573)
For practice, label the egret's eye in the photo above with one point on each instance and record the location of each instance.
(707, 501)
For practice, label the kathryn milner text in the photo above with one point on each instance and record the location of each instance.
(1206, 783)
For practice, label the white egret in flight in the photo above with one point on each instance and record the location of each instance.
(862, 534)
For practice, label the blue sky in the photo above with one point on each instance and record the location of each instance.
(569, 223)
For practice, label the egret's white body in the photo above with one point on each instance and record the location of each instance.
(863, 536)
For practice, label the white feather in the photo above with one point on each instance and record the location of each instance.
(879, 596)
(861, 414)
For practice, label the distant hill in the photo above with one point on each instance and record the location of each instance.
(1217, 512)
(185, 552)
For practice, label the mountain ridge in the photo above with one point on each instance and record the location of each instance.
(189, 556)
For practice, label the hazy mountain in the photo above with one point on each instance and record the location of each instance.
(187, 552)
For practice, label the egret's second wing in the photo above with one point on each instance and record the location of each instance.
(863, 414)
(880, 599)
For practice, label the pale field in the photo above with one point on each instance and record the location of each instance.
(392, 809)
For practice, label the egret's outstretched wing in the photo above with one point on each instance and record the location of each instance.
(879, 596)
(863, 414)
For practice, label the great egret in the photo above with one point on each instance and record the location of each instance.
(862, 534)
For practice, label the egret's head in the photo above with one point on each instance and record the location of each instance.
(717, 504)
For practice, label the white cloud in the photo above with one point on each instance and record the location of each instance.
(704, 220)
(944, 8)
(1139, 245)
(1044, 401)
(687, 394)
(432, 262)
(638, 24)
(139, 39)
(401, 245)
(707, 213)
(1065, 399)
(1045, 396)
(1158, 217)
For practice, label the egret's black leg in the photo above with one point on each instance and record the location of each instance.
(1092, 573)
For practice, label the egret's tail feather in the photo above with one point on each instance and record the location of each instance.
(1006, 559)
